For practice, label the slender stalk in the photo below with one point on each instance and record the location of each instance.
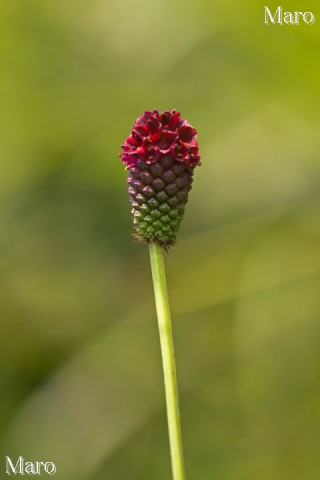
(168, 360)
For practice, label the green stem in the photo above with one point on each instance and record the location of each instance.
(168, 361)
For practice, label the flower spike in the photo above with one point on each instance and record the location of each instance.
(160, 154)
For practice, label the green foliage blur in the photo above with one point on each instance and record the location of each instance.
(80, 372)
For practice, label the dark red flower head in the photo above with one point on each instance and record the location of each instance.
(155, 135)
(160, 154)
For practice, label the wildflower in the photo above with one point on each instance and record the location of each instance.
(160, 154)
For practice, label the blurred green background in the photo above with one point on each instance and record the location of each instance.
(80, 372)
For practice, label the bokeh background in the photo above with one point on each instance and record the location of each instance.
(80, 372)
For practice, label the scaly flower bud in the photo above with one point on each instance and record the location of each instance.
(160, 154)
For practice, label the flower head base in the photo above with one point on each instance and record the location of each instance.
(161, 154)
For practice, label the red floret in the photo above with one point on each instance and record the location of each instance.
(155, 135)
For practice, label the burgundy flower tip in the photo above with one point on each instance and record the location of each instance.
(157, 134)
